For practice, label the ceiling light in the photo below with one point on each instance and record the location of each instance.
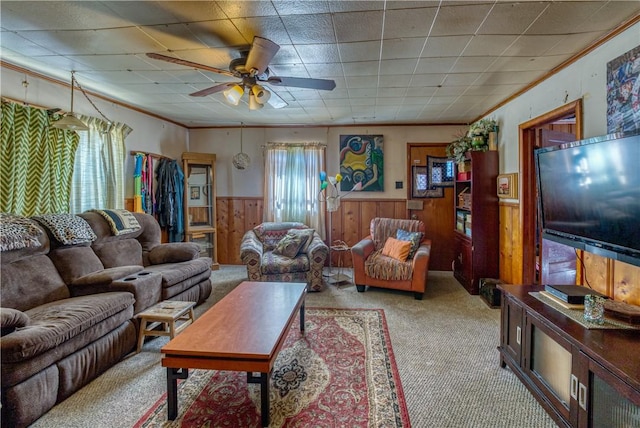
(69, 121)
(261, 94)
(254, 104)
(233, 94)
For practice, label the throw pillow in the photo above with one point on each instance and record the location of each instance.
(396, 249)
(10, 319)
(290, 245)
(414, 237)
(308, 233)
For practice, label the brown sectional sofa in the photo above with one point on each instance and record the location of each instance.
(67, 312)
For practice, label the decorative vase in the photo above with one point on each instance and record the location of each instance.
(478, 141)
(493, 141)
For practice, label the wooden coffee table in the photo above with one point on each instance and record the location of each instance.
(242, 332)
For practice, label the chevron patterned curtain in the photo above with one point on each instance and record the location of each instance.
(36, 162)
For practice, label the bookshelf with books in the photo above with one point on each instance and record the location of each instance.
(476, 216)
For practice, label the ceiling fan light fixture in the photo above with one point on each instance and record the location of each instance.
(254, 104)
(260, 93)
(234, 94)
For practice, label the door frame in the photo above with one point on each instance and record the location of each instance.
(528, 203)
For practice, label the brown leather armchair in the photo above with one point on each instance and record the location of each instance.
(372, 268)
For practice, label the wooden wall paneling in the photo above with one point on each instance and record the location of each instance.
(252, 213)
(506, 244)
(236, 230)
(400, 208)
(336, 231)
(626, 283)
(387, 209)
(596, 272)
(222, 224)
(516, 245)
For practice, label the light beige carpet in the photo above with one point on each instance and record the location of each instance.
(445, 349)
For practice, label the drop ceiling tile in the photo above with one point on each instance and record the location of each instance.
(417, 92)
(572, 43)
(541, 63)
(318, 53)
(395, 81)
(511, 17)
(362, 68)
(396, 67)
(471, 64)
(460, 79)
(14, 43)
(110, 41)
(358, 26)
(430, 80)
(460, 19)
(360, 51)
(355, 6)
(493, 45)
(402, 48)
(49, 15)
(435, 65)
(186, 11)
(324, 70)
(309, 29)
(362, 82)
(237, 9)
(528, 45)
(443, 46)
(610, 14)
(301, 7)
(174, 36)
(565, 17)
(407, 23)
(270, 27)
(509, 78)
(221, 33)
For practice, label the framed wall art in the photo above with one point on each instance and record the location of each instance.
(420, 186)
(361, 160)
(507, 185)
(623, 92)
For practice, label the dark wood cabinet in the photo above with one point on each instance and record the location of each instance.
(582, 377)
(476, 216)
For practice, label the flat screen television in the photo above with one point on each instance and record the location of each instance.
(589, 195)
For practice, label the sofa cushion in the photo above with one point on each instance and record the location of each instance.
(124, 252)
(173, 252)
(276, 264)
(106, 276)
(270, 233)
(30, 282)
(10, 319)
(386, 268)
(173, 273)
(54, 323)
(75, 262)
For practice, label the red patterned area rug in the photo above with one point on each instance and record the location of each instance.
(340, 373)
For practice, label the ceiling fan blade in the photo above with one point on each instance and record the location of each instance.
(260, 55)
(275, 101)
(212, 90)
(189, 64)
(302, 82)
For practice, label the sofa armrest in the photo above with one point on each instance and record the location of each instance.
(10, 319)
(251, 251)
(105, 276)
(173, 252)
(359, 253)
(420, 265)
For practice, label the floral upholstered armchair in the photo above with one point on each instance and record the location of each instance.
(286, 251)
(395, 255)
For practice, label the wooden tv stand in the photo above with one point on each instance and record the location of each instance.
(581, 377)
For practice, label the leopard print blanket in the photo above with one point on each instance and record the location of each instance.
(18, 232)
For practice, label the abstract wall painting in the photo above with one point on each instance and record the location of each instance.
(361, 160)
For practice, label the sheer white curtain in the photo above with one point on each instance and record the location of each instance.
(292, 183)
(98, 176)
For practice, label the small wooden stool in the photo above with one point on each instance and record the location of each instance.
(165, 313)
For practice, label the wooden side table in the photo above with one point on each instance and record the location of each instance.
(165, 314)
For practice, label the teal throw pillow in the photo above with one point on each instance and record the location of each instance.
(290, 245)
(413, 237)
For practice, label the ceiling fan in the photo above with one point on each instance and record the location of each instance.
(253, 69)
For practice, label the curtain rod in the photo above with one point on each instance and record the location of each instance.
(294, 144)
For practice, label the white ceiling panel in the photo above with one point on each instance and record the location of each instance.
(391, 61)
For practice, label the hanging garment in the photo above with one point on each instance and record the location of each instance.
(169, 198)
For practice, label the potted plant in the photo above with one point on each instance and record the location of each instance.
(458, 148)
(479, 133)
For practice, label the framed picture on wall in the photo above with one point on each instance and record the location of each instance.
(194, 192)
(508, 186)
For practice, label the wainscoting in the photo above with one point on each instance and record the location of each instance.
(350, 223)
